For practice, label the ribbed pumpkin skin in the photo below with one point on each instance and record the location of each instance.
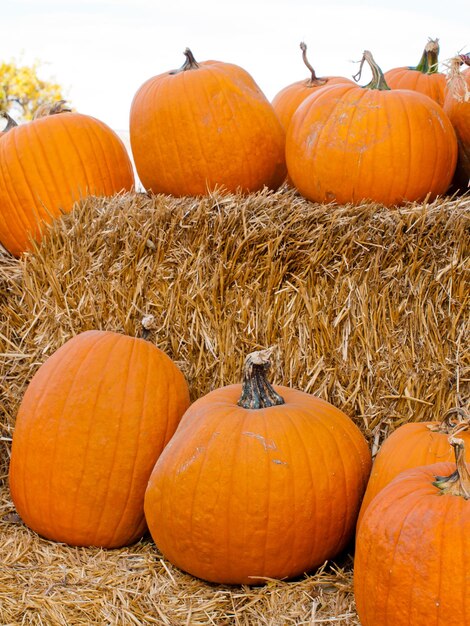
(241, 494)
(90, 427)
(457, 107)
(48, 164)
(347, 143)
(287, 101)
(431, 85)
(409, 446)
(411, 557)
(212, 126)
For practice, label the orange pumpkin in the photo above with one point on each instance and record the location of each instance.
(457, 107)
(412, 547)
(258, 481)
(48, 164)
(286, 101)
(91, 425)
(348, 143)
(412, 445)
(203, 126)
(424, 78)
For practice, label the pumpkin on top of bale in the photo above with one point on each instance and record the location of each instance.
(347, 143)
(48, 164)
(205, 125)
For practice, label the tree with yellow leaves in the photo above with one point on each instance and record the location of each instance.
(22, 91)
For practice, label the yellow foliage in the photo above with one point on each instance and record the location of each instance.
(22, 91)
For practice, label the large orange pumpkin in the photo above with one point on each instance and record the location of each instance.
(91, 425)
(348, 143)
(286, 101)
(203, 126)
(424, 77)
(457, 107)
(46, 165)
(412, 445)
(258, 481)
(412, 549)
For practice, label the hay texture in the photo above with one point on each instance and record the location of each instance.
(367, 307)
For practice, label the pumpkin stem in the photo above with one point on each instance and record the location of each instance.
(458, 483)
(51, 108)
(465, 58)
(257, 391)
(378, 79)
(10, 121)
(428, 63)
(450, 425)
(313, 81)
(189, 64)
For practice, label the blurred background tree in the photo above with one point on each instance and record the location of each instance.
(22, 91)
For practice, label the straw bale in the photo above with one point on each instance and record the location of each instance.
(367, 307)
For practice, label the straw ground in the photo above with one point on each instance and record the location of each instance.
(367, 307)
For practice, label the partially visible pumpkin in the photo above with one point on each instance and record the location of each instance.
(412, 548)
(92, 423)
(48, 164)
(412, 445)
(424, 77)
(258, 481)
(457, 107)
(203, 126)
(286, 101)
(348, 143)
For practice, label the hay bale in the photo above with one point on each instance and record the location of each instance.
(368, 308)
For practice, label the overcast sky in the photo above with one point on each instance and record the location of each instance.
(101, 51)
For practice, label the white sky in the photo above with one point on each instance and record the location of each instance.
(101, 51)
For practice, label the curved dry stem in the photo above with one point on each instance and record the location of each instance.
(451, 425)
(189, 64)
(378, 79)
(314, 80)
(11, 123)
(458, 483)
(51, 108)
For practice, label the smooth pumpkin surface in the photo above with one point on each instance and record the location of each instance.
(206, 125)
(348, 143)
(424, 77)
(240, 494)
(410, 445)
(457, 107)
(48, 164)
(411, 557)
(93, 421)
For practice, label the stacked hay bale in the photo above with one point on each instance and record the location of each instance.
(367, 306)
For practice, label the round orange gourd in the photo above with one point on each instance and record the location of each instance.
(348, 143)
(46, 165)
(203, 126)
(457, 107)
(412, 547)
(258, 481)
(412, 445)
(424, 78)
(92, 423)
(286, 101)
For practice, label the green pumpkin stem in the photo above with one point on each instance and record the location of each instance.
(378, 79)
(313, 81)
(458, 483)
(429, 61)
(257, 391)
(10, 121)
(189, 64)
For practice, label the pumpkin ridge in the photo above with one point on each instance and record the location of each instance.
(84, 170)
(92, 348)
(10, 224)
(91, 424)
(119, 435)
(96, 141)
